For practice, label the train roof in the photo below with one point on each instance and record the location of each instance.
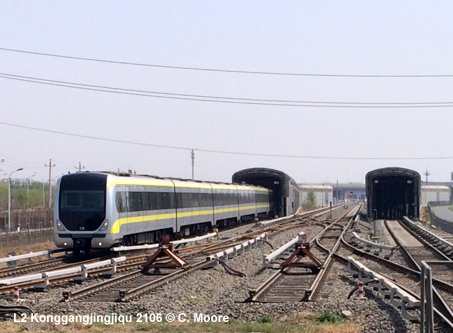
(181, 181)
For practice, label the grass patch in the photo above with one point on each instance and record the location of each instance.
(27, 248)
(328, 317)
(265, 325)
(265, 319)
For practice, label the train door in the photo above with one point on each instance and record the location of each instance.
(135, 213)
(126, 193)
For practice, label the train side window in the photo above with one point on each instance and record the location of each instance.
(201, 199)
(155, 200)
(195, 199)
(218, 199)
(151, 200)
(171, 200)
(135, 201)
(158, 200)
(182, 200)
(260, 197)
(191, 200)
(166, 200)
(188, 200)
(121, 203)
(145, 199)
(233, 198)
(245, 198)
(206, 199)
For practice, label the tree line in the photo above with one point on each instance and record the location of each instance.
(24, 194)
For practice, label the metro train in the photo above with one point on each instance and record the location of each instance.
(97, 210)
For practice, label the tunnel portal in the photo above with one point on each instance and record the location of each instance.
(393, 193)
(286, 193)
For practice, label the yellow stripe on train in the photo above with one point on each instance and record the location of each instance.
(156, 217)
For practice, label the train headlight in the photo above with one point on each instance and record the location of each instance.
(104, 226)
(60, 226)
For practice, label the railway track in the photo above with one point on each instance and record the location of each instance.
(131, 279)
(406, 277)
(133, 284)
(129, 286)
(58, 263)
(429, 252)
(289, 285)
(295, 284)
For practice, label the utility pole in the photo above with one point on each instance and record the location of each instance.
(193, 164)
(2, 160)
(50, 181)
(80, 167)
(427, 174)
(9, 198)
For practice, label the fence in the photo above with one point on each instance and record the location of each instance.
(442, 223)
(28, 226)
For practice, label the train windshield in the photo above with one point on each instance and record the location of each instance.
(82, 202)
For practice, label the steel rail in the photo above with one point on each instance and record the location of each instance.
(316, 286)
(68, 296)
(409, 272)
(438, 299)
(133, 293)
(422, 240)
(258, 293)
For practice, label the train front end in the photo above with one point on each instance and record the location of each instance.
(81, 222)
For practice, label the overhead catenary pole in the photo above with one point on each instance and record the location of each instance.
(50, 181)
(80, 167)
(193, 164)
(427, 174)
(2, 160)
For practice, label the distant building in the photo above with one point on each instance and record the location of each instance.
(434, 193)
(323, 194)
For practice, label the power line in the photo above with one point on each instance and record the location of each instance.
(92, 137)
(223, 99)
(228, 70)
(224, 151)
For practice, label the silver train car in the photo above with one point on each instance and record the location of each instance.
(96, 210)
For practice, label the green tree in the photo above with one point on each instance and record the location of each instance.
(24, 194)
(309, 202)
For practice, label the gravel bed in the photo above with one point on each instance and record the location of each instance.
(214, 292)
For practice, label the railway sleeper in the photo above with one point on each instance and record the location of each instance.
(399, 301)
(397, 297)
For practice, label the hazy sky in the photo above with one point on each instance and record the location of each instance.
(381, 38)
